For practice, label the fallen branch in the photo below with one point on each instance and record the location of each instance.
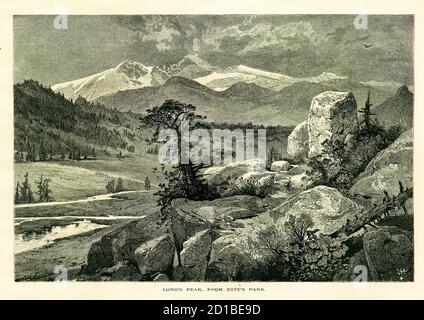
(375, 213)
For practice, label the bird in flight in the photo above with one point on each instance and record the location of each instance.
(367, 45)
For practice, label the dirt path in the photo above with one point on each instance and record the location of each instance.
(100, 197)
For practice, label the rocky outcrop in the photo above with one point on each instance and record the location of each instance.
(327, 207)
(389, 254)
(229, 248)
(298, 141)
(119, 245)
(332, 120)
(384, 172)
(195, 257)
(281, 165)
(155, 256)
(185, 224)
(116, 246)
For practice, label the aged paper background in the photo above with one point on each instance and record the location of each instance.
(131, 290)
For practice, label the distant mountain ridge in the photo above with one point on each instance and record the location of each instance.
(233, 94)
(242, 102)
(397, 110)
(130, 75)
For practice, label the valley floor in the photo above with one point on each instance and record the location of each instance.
(34, 224)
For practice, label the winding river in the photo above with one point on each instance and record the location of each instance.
(77, 224)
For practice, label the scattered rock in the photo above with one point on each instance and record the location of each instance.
(389, 254)
(155, 256)
(226, 257)
(302, 177)
(281, 165)
(298, 141)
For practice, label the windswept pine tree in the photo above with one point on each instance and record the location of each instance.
(185, 179)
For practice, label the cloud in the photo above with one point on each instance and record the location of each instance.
(294, 45)
(259, 36)
(164, 38)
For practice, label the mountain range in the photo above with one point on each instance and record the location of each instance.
(233, 94)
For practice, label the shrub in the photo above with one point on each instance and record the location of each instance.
(348, 162)
(113, 186)
(110, 186)
(292, 252)
(255, 187)
(272, 155)
(153, 150)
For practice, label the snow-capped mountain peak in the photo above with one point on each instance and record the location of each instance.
(129, 75)
(133, 69)
(125, 76)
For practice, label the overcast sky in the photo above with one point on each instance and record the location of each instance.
(291, 44)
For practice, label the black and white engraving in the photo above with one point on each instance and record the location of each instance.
(213, 148)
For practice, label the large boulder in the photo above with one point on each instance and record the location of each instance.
(255, 183)
(185, 223)
(155, 256)
(119, 245)
(303, 177)
(389, 254)
(281, 165)
(332, 123)
(235, 207)
(298, 141)
(328, 208)
(230, 247)
(384, 172)
(222, 175)
(223, 264)
(195, 256)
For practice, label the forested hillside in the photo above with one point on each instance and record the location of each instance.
(50, 127)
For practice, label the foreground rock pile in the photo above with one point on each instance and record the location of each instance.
(201, 240)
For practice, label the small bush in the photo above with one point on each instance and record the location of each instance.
(272, 155)
(153, 150)
(349, 162)
(114, 186)
(254, 187)
(292, 253)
